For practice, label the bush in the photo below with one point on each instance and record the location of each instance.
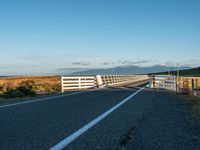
(19, 92)
(56, 87)
(1, 88)
(29, 84)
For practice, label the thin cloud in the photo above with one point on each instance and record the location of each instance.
(107, 63)
(194, 60)
(125, 63)
(134, 62)
(168, 63)
(69, 69)
(80, 63)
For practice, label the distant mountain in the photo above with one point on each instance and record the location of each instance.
(128, 70)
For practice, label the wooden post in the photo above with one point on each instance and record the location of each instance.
(188, 86)
(197, 87)
(192, 87)
(154, 81)
(177, 84)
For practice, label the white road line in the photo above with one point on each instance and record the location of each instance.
(82, 130)
(42, 99)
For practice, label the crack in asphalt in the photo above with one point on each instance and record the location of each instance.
(129, 136)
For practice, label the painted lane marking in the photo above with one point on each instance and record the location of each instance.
(82, 130)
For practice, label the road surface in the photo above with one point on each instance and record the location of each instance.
(150, 119)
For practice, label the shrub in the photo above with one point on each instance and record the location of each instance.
(28, 83)
(26, 91)
(1, 88)
(19, 92)
(56, 87)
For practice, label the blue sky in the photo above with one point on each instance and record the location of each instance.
(46, 36)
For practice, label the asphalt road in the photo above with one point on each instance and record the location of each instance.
(149, 120)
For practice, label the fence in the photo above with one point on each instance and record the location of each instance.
(116, 79)
(167, 82)
(84, 82)
(190, 85)
(78, 82)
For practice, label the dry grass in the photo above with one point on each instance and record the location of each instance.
(194, 103)
(43, 84)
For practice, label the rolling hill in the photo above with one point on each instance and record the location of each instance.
(193, 72)
(123, 70)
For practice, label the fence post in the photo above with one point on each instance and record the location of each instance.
(99, 81)
(62, 90)
(192, 87)
(153, 81)
(176, 84)
(79, 82)
(197, 87)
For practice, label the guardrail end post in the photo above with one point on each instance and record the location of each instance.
(99, 81)
(62, 90)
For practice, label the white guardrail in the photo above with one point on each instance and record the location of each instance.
(85, 82)
(167, 82)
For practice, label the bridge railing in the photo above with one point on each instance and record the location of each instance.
(85, 82)
(116, 79)
(77, 82)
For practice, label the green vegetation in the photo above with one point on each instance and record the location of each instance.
(194, 72)
(19, 92)
(191, 72)
(194, 103)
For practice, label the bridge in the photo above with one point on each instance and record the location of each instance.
(112, 112)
